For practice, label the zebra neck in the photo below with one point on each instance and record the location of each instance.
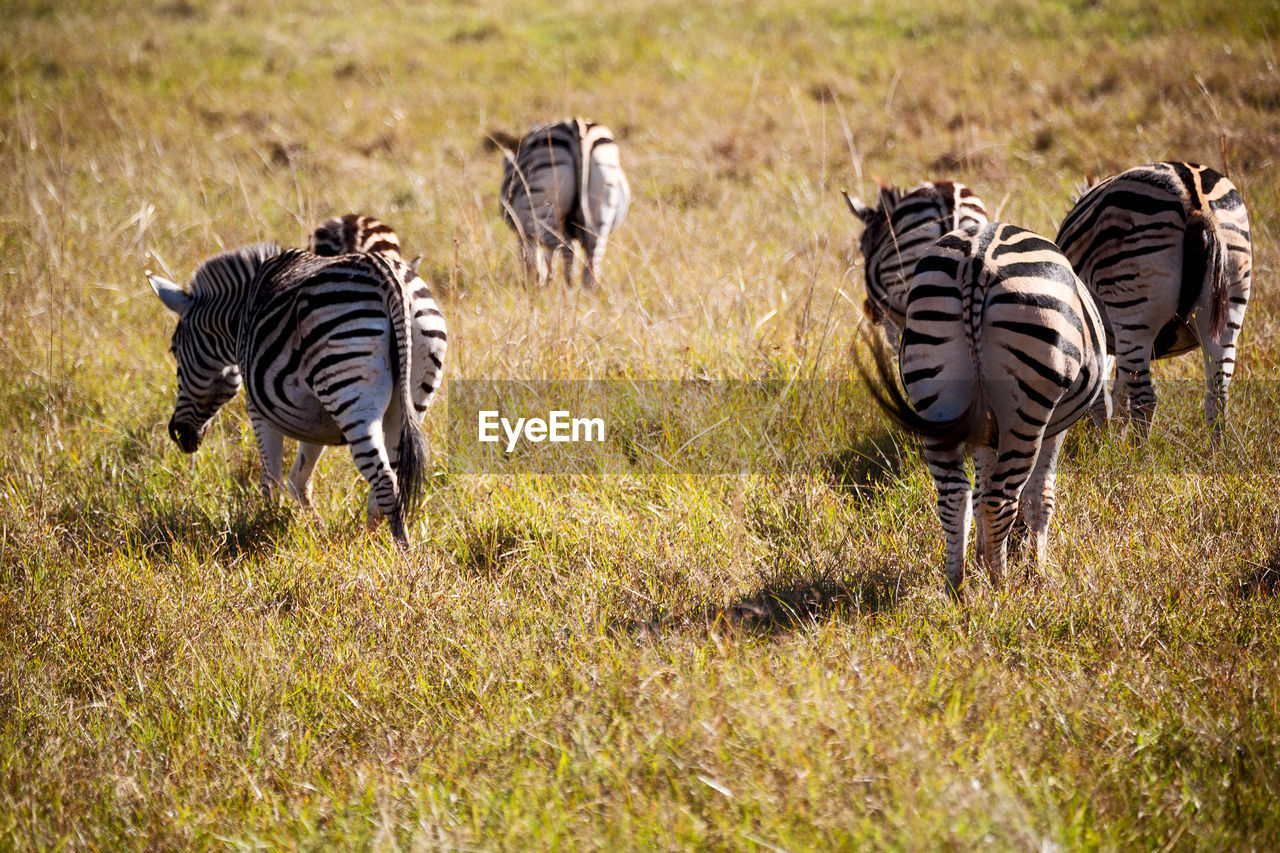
(223, 321)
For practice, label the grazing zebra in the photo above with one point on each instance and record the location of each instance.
(564, 183)
(1002, 350)
(343, 235)
(345, 350)
(1165, 249)
(898, 232)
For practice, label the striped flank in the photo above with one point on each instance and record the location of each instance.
(1166, 251)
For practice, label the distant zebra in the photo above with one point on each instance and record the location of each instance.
(1002, 351)
(564, 183)
(898, 232)
(1166, 250)
(354, 232)
(345, 350)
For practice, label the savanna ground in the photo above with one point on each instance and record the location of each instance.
(661, 659)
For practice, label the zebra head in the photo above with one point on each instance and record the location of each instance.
(877, 233)
(204, 342)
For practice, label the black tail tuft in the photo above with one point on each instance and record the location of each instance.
(889, 396)
(1204, 263)
(411, 468)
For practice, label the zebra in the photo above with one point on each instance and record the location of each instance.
(898, 232)
(1165, 249)
(563, 183)
(354, 232)
(1002, 350)
(331, 351)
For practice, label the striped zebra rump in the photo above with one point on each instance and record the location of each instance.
(1166, 250)
(354, 232)
(563, 184)
(898, 232)
(340, 350)
(1001, 352)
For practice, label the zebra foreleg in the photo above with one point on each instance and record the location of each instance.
(946, 464)
(984, 460)
(270, 443)
(300, 474)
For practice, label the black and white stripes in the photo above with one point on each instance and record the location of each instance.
(354, 232)
(344, 350)
(1002, 351)
(1166, 250)
(898, 232)
(563, 184)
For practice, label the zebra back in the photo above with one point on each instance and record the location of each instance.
(899, 232)
(354, 232)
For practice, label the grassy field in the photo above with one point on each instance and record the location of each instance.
(630, 660)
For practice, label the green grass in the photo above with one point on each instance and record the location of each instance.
(614, 659)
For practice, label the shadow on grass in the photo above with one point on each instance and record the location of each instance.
(1260, 579)
(161, 533)
(488, 549)
(239, 532)
(782, 605)
(874, 459)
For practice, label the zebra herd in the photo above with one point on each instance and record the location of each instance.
(1004, 339)
(1003, 336)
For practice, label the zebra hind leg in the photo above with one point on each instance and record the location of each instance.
(369, 451)
(1142, 394)
(1219, 365)
(592, 255)
(566, 258)
(946, 464)
(1039, 496)
(999, 498)
(1106, 406)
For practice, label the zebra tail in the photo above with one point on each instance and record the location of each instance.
(411, 468)
(1204, 262)
(889, 396)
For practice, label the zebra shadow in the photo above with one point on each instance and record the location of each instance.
(874, 459)
(1260, 579)
(782, 605)
(248, 531)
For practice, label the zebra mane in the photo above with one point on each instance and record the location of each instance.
(232, 266)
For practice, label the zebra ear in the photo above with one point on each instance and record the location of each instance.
(415, 263)
(174, 298)
(889, 197)
(859, 209)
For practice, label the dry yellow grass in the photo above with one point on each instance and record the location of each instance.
(646, 661)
